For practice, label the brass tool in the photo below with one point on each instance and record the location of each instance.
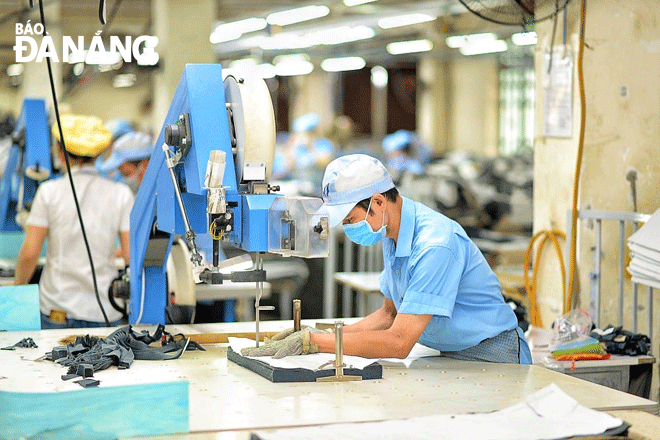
(296, 315)
(339, 359)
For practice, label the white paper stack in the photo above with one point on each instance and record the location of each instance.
(645, 253)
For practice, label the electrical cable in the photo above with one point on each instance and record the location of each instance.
(578, 164)
(68, 167)
(530, 287)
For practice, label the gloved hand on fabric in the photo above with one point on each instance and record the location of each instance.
(285, 333)
(296, 343)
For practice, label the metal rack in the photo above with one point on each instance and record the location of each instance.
(595, 297)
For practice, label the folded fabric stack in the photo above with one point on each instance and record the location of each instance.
(581, 345)
(645, 253)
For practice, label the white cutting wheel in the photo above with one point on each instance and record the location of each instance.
(248, 98)
(179, 274)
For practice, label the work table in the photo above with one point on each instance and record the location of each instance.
(227, 398)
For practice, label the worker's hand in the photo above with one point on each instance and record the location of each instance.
(283, 334)
(295, 344)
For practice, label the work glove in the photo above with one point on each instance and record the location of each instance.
(295, 343)
(285, 333)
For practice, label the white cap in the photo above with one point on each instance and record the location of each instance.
(350, 179)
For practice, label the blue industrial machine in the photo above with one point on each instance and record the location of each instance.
(28, 164)
(209, 175)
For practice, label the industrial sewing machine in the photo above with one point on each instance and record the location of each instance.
(209, 175)
(29, 163)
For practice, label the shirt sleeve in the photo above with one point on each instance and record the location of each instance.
(384, 287)
(434, 281)
(126, 203)
(39, 210)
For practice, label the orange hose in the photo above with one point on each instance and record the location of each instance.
(578, 165)
(530, 287)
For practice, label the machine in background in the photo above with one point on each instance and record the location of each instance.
(209, 175)
(29, 163)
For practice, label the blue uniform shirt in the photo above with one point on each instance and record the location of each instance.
(436, 269)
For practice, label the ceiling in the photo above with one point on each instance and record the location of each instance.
(133, 17)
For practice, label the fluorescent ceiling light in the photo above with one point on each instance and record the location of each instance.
(283, 41)
(404, 20)
(402, 47)
(292, 65)
(350, 3)
(457, 41)
(379, 77)
(343, 64)
(339, 35)
(78, 69)
(123, 80)
(234, 30)
(524, 38)
(266, 70)
(297, 15)
(293, 68)
(331, 36)
(15, 69)
(484, 47)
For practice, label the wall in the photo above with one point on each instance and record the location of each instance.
(458, 103)
(101, 99)
(474, 105)
(622, 85)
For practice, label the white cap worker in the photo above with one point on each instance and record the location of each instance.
(439, 290)
(130, 156)
(66, 292)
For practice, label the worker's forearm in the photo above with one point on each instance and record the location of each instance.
(371, 344)
(378, 320)
(25, 269)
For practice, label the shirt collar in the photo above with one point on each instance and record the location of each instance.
(406, 229)
(86, 169)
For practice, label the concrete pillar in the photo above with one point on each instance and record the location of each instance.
(313, 93)
(433, 88)
(35, 83)
(379, 102)
(183, 28)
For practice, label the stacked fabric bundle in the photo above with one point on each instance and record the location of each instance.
(645, 253)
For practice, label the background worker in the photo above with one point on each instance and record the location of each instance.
(304, 155)
(130, 156)
(66, 291)
(405, 153)
(439, 290)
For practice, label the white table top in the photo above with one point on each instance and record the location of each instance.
(225, 397)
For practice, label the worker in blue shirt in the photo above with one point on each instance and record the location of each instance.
(405, 152)
(438, 288)
(305, 154)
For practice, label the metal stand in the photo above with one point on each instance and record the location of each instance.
(259, 265)
(296, 315)
(339, 359)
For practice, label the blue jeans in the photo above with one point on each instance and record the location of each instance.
(74, 323)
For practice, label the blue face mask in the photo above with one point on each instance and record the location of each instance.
(361, 232)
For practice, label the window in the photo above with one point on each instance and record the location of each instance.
(516, 110)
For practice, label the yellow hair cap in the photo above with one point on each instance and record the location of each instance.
(83, 135)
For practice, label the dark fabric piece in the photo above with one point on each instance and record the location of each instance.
(86, 383)
(619, 341)
(23, 343)
(120, 348)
